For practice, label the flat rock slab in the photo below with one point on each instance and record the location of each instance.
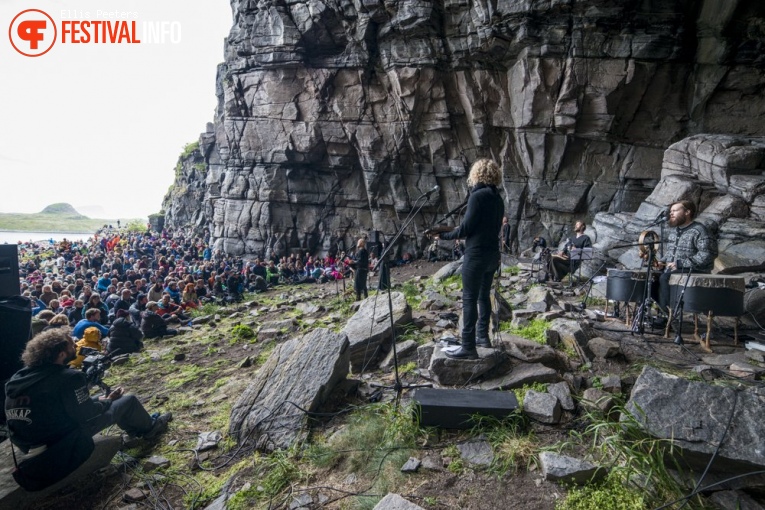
(478, 453)
(725, 360)
(369, 330)
(458, 372)
(395, 502)
(695, 416)
(527, 350)
(13, 496)
(523, 374)
(403, 349)
(562, 468)
(301, 370)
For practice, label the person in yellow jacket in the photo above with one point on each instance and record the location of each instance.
(90, 338)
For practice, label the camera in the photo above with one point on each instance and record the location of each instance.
(94, 367)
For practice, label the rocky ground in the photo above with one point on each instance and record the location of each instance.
(201, 374)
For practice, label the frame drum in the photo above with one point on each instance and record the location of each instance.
(626, 286)
(720, 294)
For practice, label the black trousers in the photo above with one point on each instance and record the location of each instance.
(360, 283)
(127, 413)
(477, 273)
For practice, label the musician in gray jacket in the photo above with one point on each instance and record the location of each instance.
(690, 247)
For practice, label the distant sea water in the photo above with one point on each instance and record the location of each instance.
(15, 237)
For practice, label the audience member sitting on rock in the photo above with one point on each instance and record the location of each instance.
(189, 298)
(91, 320)
(169, 310)
(65, 418)
(153, 325)
(137, 308)
(124, 336)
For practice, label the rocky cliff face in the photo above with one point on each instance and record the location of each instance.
(335, 115)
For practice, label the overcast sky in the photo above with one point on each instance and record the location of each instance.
(103, 125)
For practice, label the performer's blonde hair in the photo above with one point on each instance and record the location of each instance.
(485, 171)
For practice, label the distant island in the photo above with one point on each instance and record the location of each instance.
(59, 217)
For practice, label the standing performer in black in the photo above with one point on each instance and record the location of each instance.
(480, 229)
(361, 262)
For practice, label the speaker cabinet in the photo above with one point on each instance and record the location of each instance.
(9, 271)
(453, 409)
(15, 326)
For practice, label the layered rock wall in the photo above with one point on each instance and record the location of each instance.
(335, 115)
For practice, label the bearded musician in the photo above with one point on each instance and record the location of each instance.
(690, 248)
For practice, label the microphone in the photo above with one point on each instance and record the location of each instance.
(662, 217)
(431, 191)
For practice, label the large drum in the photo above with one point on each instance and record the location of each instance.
(626, 286)
(720, 294)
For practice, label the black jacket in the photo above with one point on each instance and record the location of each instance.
(46, 403)
(153, 325)
(482, 221)
(125, 337)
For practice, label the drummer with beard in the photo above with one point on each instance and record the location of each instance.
(690, 248)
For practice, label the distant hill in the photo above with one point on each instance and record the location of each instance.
(63, 209)
(60, 217)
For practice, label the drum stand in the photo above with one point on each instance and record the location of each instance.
(638, 323)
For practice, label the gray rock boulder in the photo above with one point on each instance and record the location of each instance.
(457, 372)
(395, 502)
(301, 370)
(603, 348)
(695, 415)
(369, 330)
(403, 349)
(562, 392)
(565, 469)
(529, 351)
(542, 407)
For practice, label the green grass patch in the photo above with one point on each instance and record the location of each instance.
(512, 440)
(535, 330)
(611, 495)
(639, 476)
(511, 270)
(412, 294)
(376, 441)
(273, 474)
(186, 374)
(241, 332)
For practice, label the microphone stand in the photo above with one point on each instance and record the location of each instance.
(638, 325)
(382, 264)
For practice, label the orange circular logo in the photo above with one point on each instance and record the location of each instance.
(32, 33)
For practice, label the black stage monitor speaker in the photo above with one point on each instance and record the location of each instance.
(9, 270)
(453, 409)
(15, 325)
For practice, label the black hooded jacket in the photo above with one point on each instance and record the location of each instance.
(124, 337)
(44, 404)
(481, 224)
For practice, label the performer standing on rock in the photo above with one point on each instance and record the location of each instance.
(479, 228)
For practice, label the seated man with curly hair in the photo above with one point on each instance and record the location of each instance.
(48, 407)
